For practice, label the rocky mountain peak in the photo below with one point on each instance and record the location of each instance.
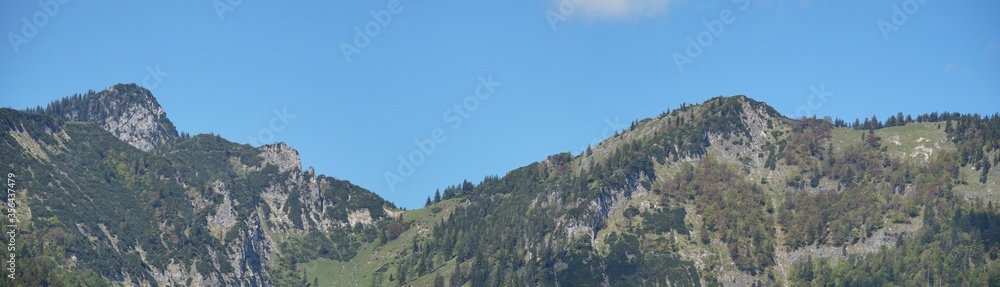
(128, 111)
(281, 156)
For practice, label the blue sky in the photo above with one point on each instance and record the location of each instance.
(564, 74)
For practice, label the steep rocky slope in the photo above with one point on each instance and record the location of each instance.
(128, 111)
(724, 193)
(92, 206)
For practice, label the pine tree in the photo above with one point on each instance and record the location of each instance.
(438, 281)
(437, 196)
(630, 213)
(456, 276)
(467, 187)
(402, 269)
(428, 203)
(986, 171)
(479, 273)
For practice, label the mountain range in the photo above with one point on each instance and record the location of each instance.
(104, 191)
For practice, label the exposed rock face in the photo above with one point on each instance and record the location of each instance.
(281, 156)
(362, 216)
(249, 255)
(128, 111)
(221, 234)
(225, 215)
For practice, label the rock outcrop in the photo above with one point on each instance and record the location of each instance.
(281, 156)
(128, 111)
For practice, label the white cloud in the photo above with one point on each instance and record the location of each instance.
(611, 9)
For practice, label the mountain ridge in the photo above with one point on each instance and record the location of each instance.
(202, 210)
(128, 111)
(719, 193)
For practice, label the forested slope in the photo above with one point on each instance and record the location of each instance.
(724, 193)
(728, 192)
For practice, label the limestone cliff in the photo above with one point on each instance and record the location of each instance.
(128, 111)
